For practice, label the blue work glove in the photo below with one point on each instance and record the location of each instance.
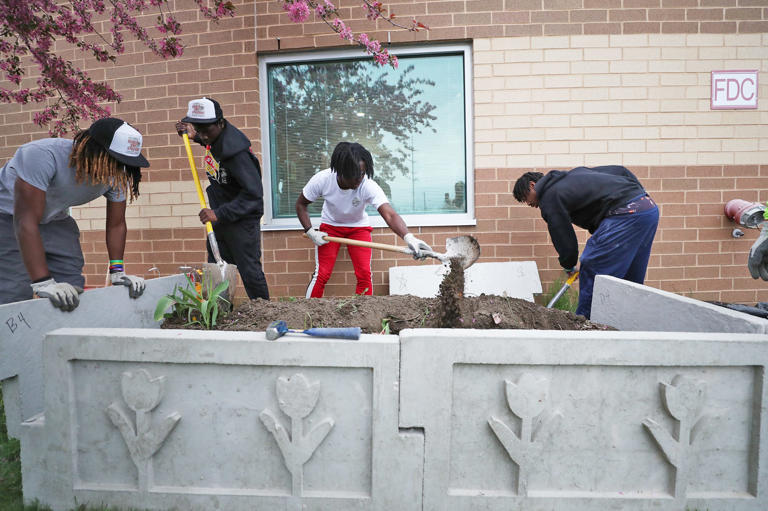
(417, 246)
(758, 255)
(63, 295)
(135, 284)
(570, 271)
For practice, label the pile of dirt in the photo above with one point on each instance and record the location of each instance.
(390, 314)
(374, 314)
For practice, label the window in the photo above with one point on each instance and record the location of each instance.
(415, 120)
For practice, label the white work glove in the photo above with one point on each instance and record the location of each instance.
(758, 255)
(62, 294)
(135, 284)
(317, 236)
(417, 246)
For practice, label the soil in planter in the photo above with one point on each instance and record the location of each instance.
(390, 314)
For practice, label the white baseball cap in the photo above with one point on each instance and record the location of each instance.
(203, 111)
(121, 140)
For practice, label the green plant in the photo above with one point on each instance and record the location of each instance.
(195, 305)
(349, 302)
(568, 302)
(385, 326)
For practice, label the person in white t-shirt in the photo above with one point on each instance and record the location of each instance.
(348, 187)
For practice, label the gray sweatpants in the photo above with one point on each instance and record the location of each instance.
(61, 242)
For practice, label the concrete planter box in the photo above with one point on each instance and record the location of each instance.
(428, 420)
(535, 420)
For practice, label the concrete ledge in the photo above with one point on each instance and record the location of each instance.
(194, 420)
(588, 421)
(629, 306)
(515, 279)
(25, 324)
(492, 420)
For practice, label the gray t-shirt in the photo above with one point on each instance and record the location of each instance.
(45, 165)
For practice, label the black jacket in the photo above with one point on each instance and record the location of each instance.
(236, 192)
(582, 196)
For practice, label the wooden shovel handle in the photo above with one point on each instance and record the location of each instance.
(369, 244)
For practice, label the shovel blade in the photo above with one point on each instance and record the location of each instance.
(214, 274)
(465, 248)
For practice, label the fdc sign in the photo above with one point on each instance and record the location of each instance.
(733, 89)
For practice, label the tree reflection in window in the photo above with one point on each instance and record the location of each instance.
(411, 119)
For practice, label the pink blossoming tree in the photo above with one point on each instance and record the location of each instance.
(299, 12)
(30, 30)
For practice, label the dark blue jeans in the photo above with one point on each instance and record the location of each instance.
(620, 247)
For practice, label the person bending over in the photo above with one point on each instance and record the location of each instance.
(348, 187)
(607, 201)
(39, 241)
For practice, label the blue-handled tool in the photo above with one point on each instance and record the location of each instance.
(279, 328)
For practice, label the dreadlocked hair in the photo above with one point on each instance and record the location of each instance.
(93, 164)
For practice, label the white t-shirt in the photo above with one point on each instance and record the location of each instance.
(344, 208)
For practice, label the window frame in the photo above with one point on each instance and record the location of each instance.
(270, 223)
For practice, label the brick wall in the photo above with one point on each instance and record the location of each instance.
(557, 83)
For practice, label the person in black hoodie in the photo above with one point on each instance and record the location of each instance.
(235, 194)
(607, 201)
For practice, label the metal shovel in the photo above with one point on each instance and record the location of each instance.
(464, 248)
(559, 294)
(213, 273)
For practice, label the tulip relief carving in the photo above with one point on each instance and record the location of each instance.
(527, 399)
(142, 394)
(296, 398)
(684, 400)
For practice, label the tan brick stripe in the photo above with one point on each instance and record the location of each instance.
(511, 18)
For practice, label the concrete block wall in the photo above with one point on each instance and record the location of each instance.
(512, 279)
(556, 84)
(543, 420)
(24, 326)
(536, 420)
(629, 306)
(216, 420)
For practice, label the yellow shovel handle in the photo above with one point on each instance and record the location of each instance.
(572, 278)
(208, 226)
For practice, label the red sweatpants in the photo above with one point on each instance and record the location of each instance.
(325, 259)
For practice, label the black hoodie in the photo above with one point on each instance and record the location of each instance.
(236, 192)
(582, 196)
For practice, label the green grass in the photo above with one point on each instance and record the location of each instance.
(568, 302)
(10, 468)
(10, 474)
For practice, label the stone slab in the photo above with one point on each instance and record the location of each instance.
(587, 421)
(23, 326)
(219, 413)
(629, 306)
(515, 279)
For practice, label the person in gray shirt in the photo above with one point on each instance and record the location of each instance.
(40, 248)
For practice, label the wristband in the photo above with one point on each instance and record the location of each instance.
(115, 265)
